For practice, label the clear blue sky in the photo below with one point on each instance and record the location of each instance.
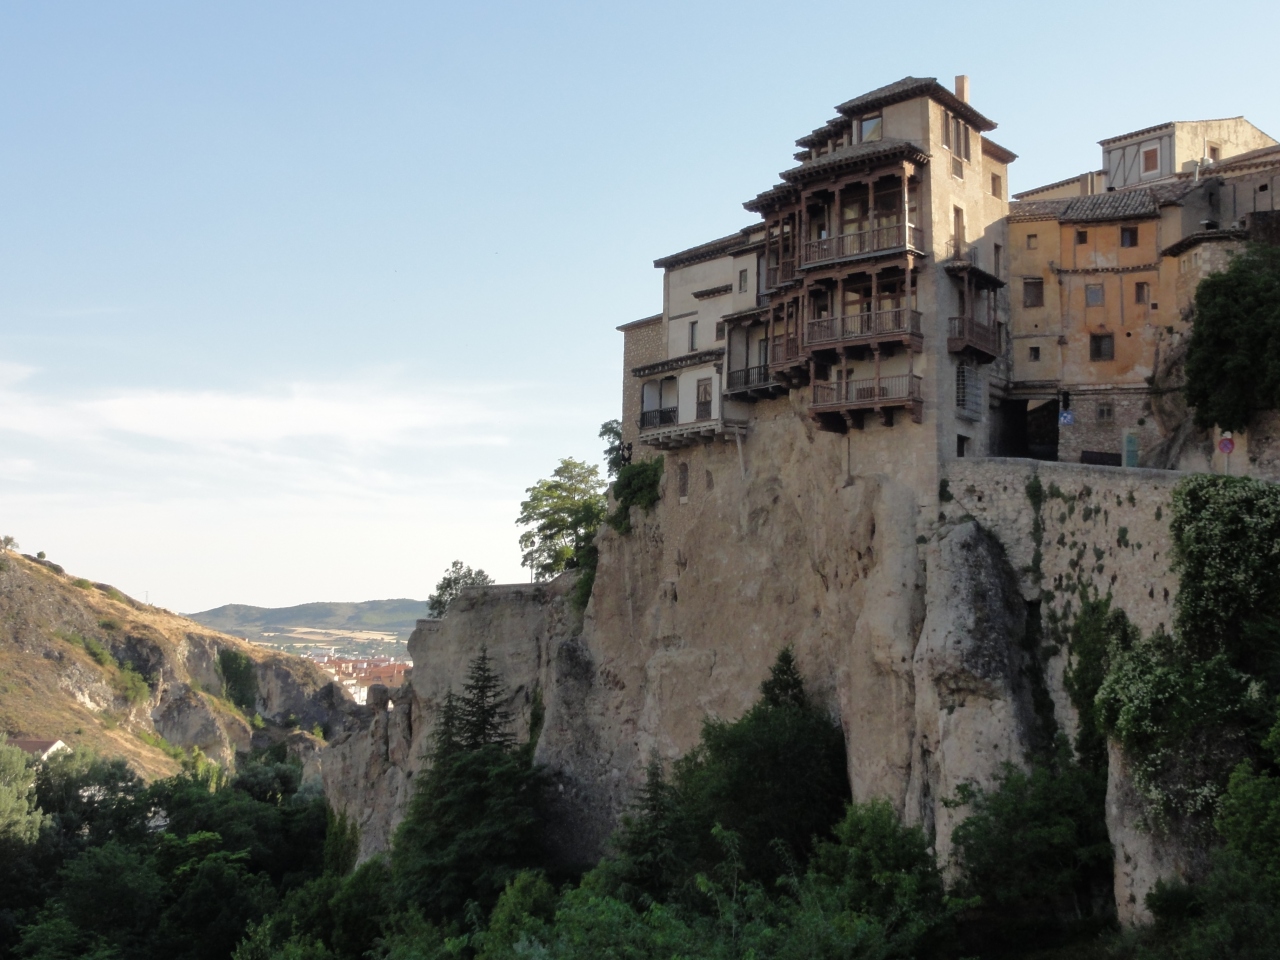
(296, 299)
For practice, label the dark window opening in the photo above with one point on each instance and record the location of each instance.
(1100, 459)
(997, 186)
(1102, 346)
(962, 445)
(693, 335)
(1032, 293)
(1128, 236)
(1035, 354)
(719, 329)
(1106, 413)
(1082, 236)
(1033, 241)
(742, 281)
(1093, 295)
(1141, 292)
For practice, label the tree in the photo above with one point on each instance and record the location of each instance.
(458, 575)
(1233, 357)
(473, 822)
(7, 543)
(564, 513)
(616, 454)
(20, 819)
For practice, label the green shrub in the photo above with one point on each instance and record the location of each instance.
(82, 583)
(109, 625)
(638, 485)
(99, 653)
(131, 685)
(239, 678)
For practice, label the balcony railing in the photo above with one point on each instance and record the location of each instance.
(783, 349)
(862, 326)
(783, 272)
(966, 332)
(871, 392)
(863, 242)
(749, 377)
(960, 250)
(704, 410)
(667, 416)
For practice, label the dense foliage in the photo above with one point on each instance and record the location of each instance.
(239, 679)
(94, 863)
(638, 485)
(458, 575)
(1233, 358)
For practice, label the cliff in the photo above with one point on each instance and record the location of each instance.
(923, 619)
(86, 664)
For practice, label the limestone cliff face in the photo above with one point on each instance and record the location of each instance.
(909, 614)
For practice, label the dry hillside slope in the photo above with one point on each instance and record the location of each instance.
(82, 662)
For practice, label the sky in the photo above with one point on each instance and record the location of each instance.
(297, 299)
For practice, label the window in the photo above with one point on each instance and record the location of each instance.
(1141, 292)
(957, 229)
(1102, 346)
(683, 481)
(996, 256)
(1106, 412)
(762, 352)
(1033, 241)
(968, 391)
(704, 399)
(870, 128)
(1151, 160)
(693, 335)
(1082, 237)
(1128, 236)
(962, 444)
(1034, 354)
(719, 329)
(742, 281)
(997, 187)
(1093, 295)
(1215, 154)
(1032, 292)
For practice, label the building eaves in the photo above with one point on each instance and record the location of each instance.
(909, 88)
(706, 251)
(824, 133)
(776, 195)
(710, 292)
(678, 363)
(637, 324)
(1055, 184)
(1038, 209)
(855, 155)
(1135, 133)
(1203, 236)
(1262, 157)
(996, 152)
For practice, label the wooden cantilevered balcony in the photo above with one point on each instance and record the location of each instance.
(865, 329)
(847, 400)
(659, 418)
(751, 383)
(850, 246)
(974, 338)
(776, 276)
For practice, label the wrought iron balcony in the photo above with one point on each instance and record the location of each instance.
(849, 245)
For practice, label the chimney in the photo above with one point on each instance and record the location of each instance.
(962, 87)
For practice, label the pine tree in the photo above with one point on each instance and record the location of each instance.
(446, 740)
(482, 720)
(784, 687)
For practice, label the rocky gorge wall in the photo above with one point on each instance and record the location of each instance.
(909, 612)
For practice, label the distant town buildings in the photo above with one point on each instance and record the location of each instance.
(890, 285)
(357, 675)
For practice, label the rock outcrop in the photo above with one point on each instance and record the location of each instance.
(916, 619)
(64, 642)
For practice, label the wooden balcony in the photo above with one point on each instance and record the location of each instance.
(838, 405)
(864, 243)
(784, 272)
(784, 351)
(864, 329)
(751, 383)
(665, 417)
(973, 337)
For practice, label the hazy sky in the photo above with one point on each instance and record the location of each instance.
(296, 299)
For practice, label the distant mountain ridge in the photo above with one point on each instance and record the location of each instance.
(385, 616)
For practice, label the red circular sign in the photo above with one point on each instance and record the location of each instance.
(1226, 445)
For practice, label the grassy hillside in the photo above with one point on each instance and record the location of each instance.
(82, 662)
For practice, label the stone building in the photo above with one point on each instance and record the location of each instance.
(871, 297)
